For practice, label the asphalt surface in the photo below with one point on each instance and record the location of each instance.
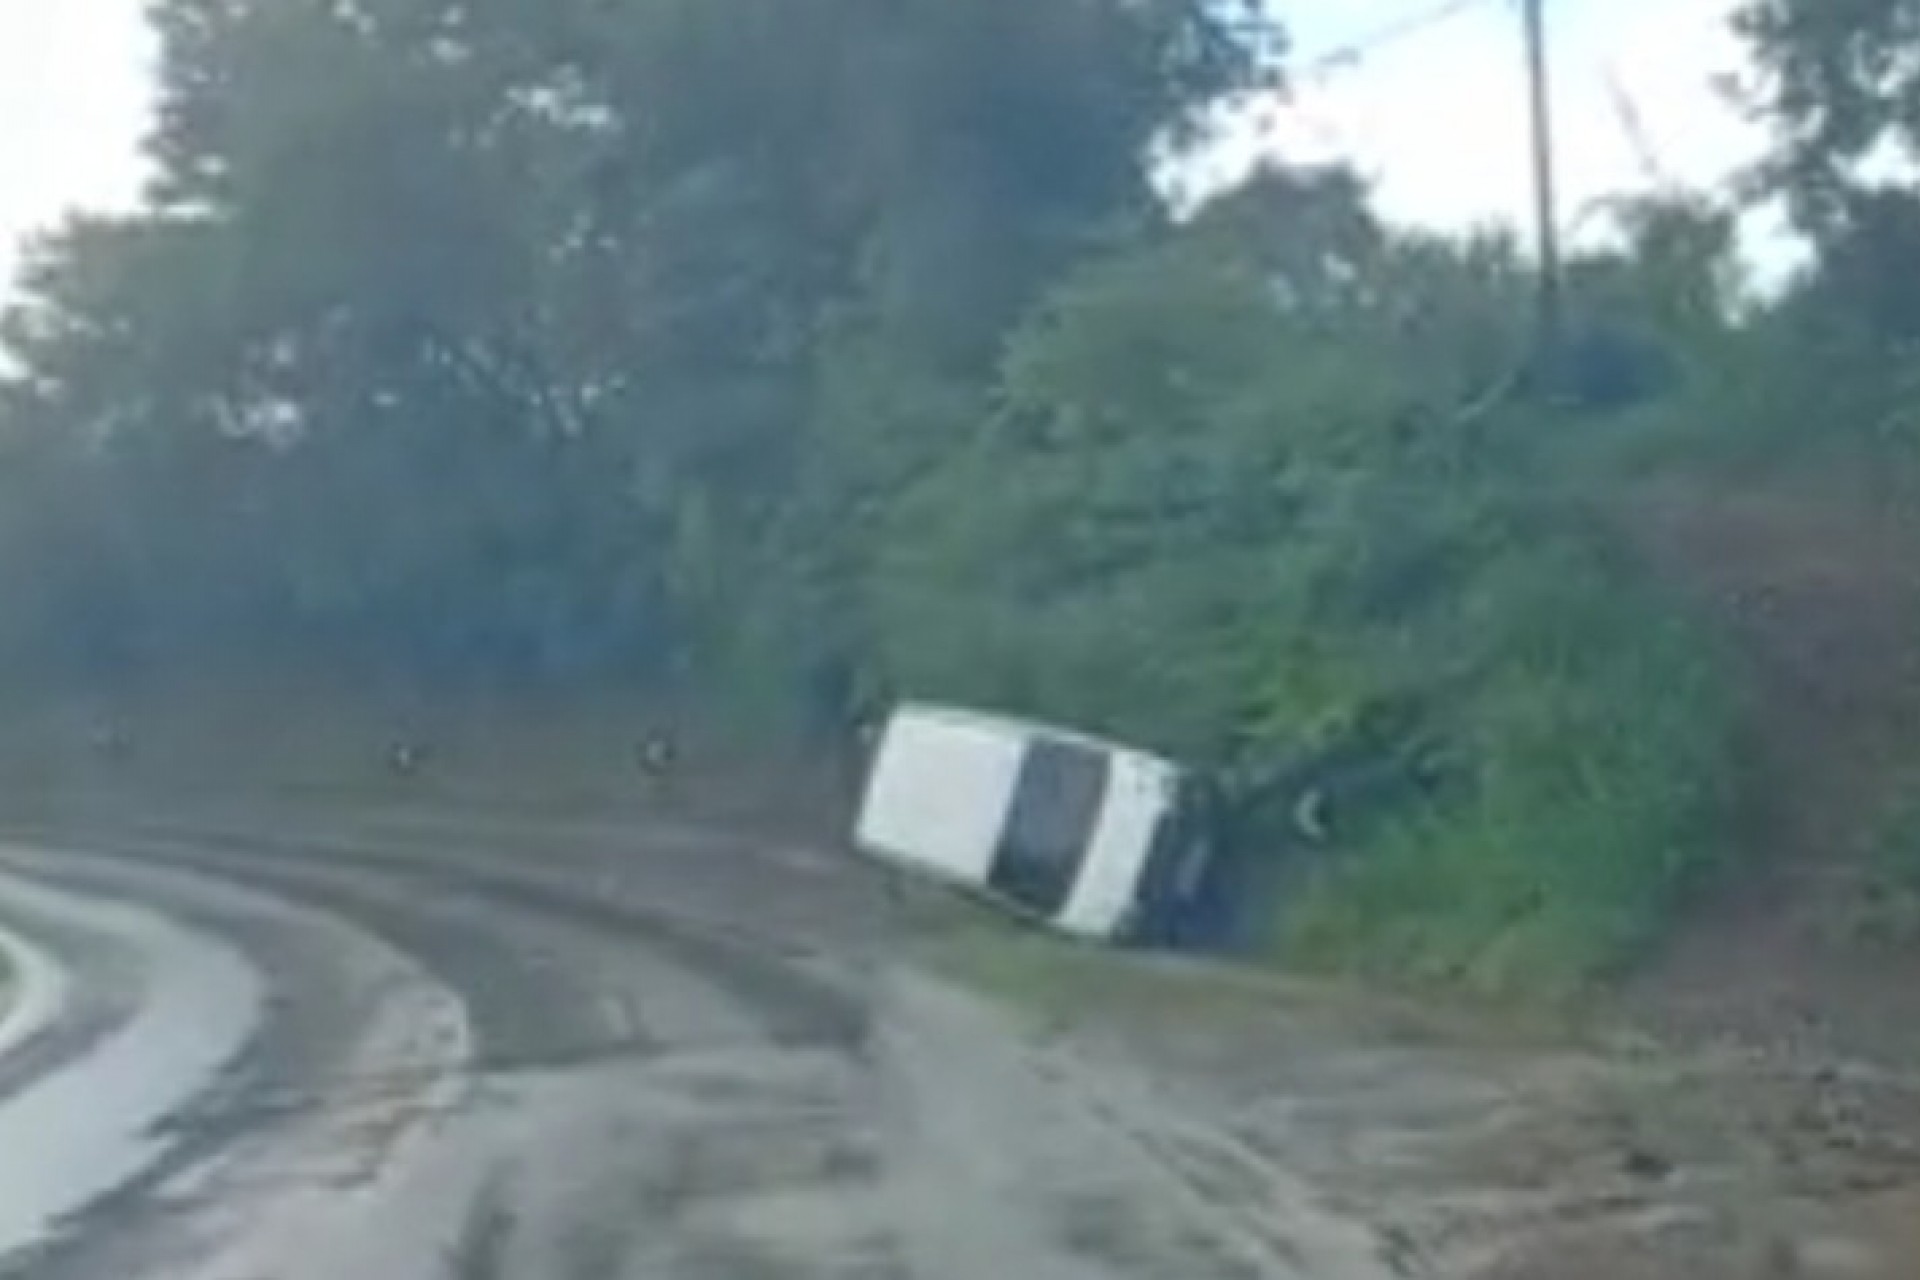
(145, 1013)
(325, 1043)
(421, 1045)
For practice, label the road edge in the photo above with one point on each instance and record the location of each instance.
(35, 994)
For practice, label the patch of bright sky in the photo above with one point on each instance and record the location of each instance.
(75, 100)
(1436, 118)
(1435, 112)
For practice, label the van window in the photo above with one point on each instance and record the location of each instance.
(1056, 805)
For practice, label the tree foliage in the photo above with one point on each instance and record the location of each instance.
(500, 337)
(1838, 83)
(780, 357)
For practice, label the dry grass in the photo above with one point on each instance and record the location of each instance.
(1057, 983)
(266, 741)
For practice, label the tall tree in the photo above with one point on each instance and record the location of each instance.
(1838, 82)
(538, 331)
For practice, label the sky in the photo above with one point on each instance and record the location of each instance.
(1436, 117)
(1436, 114)
(75, 96)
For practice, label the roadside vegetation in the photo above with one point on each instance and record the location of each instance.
(763, 362)
(1890, 908)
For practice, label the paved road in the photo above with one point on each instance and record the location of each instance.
(125, 1017)
(424, 1046)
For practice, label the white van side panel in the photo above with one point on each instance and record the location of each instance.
(1139, 791)
(939, 794)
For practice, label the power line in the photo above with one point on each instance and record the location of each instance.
(1533, 15)
(1549, 332)
(1346, 56)
(1350, 54)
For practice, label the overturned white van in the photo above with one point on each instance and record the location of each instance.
(1096, 839)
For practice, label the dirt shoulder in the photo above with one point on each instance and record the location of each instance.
(1811, 583)
(1486, 1150)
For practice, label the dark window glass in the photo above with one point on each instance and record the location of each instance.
(1056, 806)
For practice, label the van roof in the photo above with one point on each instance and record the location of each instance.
(1034, 728)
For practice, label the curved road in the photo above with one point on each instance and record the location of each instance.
(417, 1046)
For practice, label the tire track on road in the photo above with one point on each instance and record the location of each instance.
(778, 980)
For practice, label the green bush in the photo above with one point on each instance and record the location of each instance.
(1270, 540)
(1594, 741)
(1889, 910)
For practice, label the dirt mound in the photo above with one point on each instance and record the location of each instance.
(1815, 588)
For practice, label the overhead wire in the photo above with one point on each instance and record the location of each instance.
(1351, 53)
(1327, 65)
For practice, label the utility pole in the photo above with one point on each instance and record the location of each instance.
(1546, 200)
